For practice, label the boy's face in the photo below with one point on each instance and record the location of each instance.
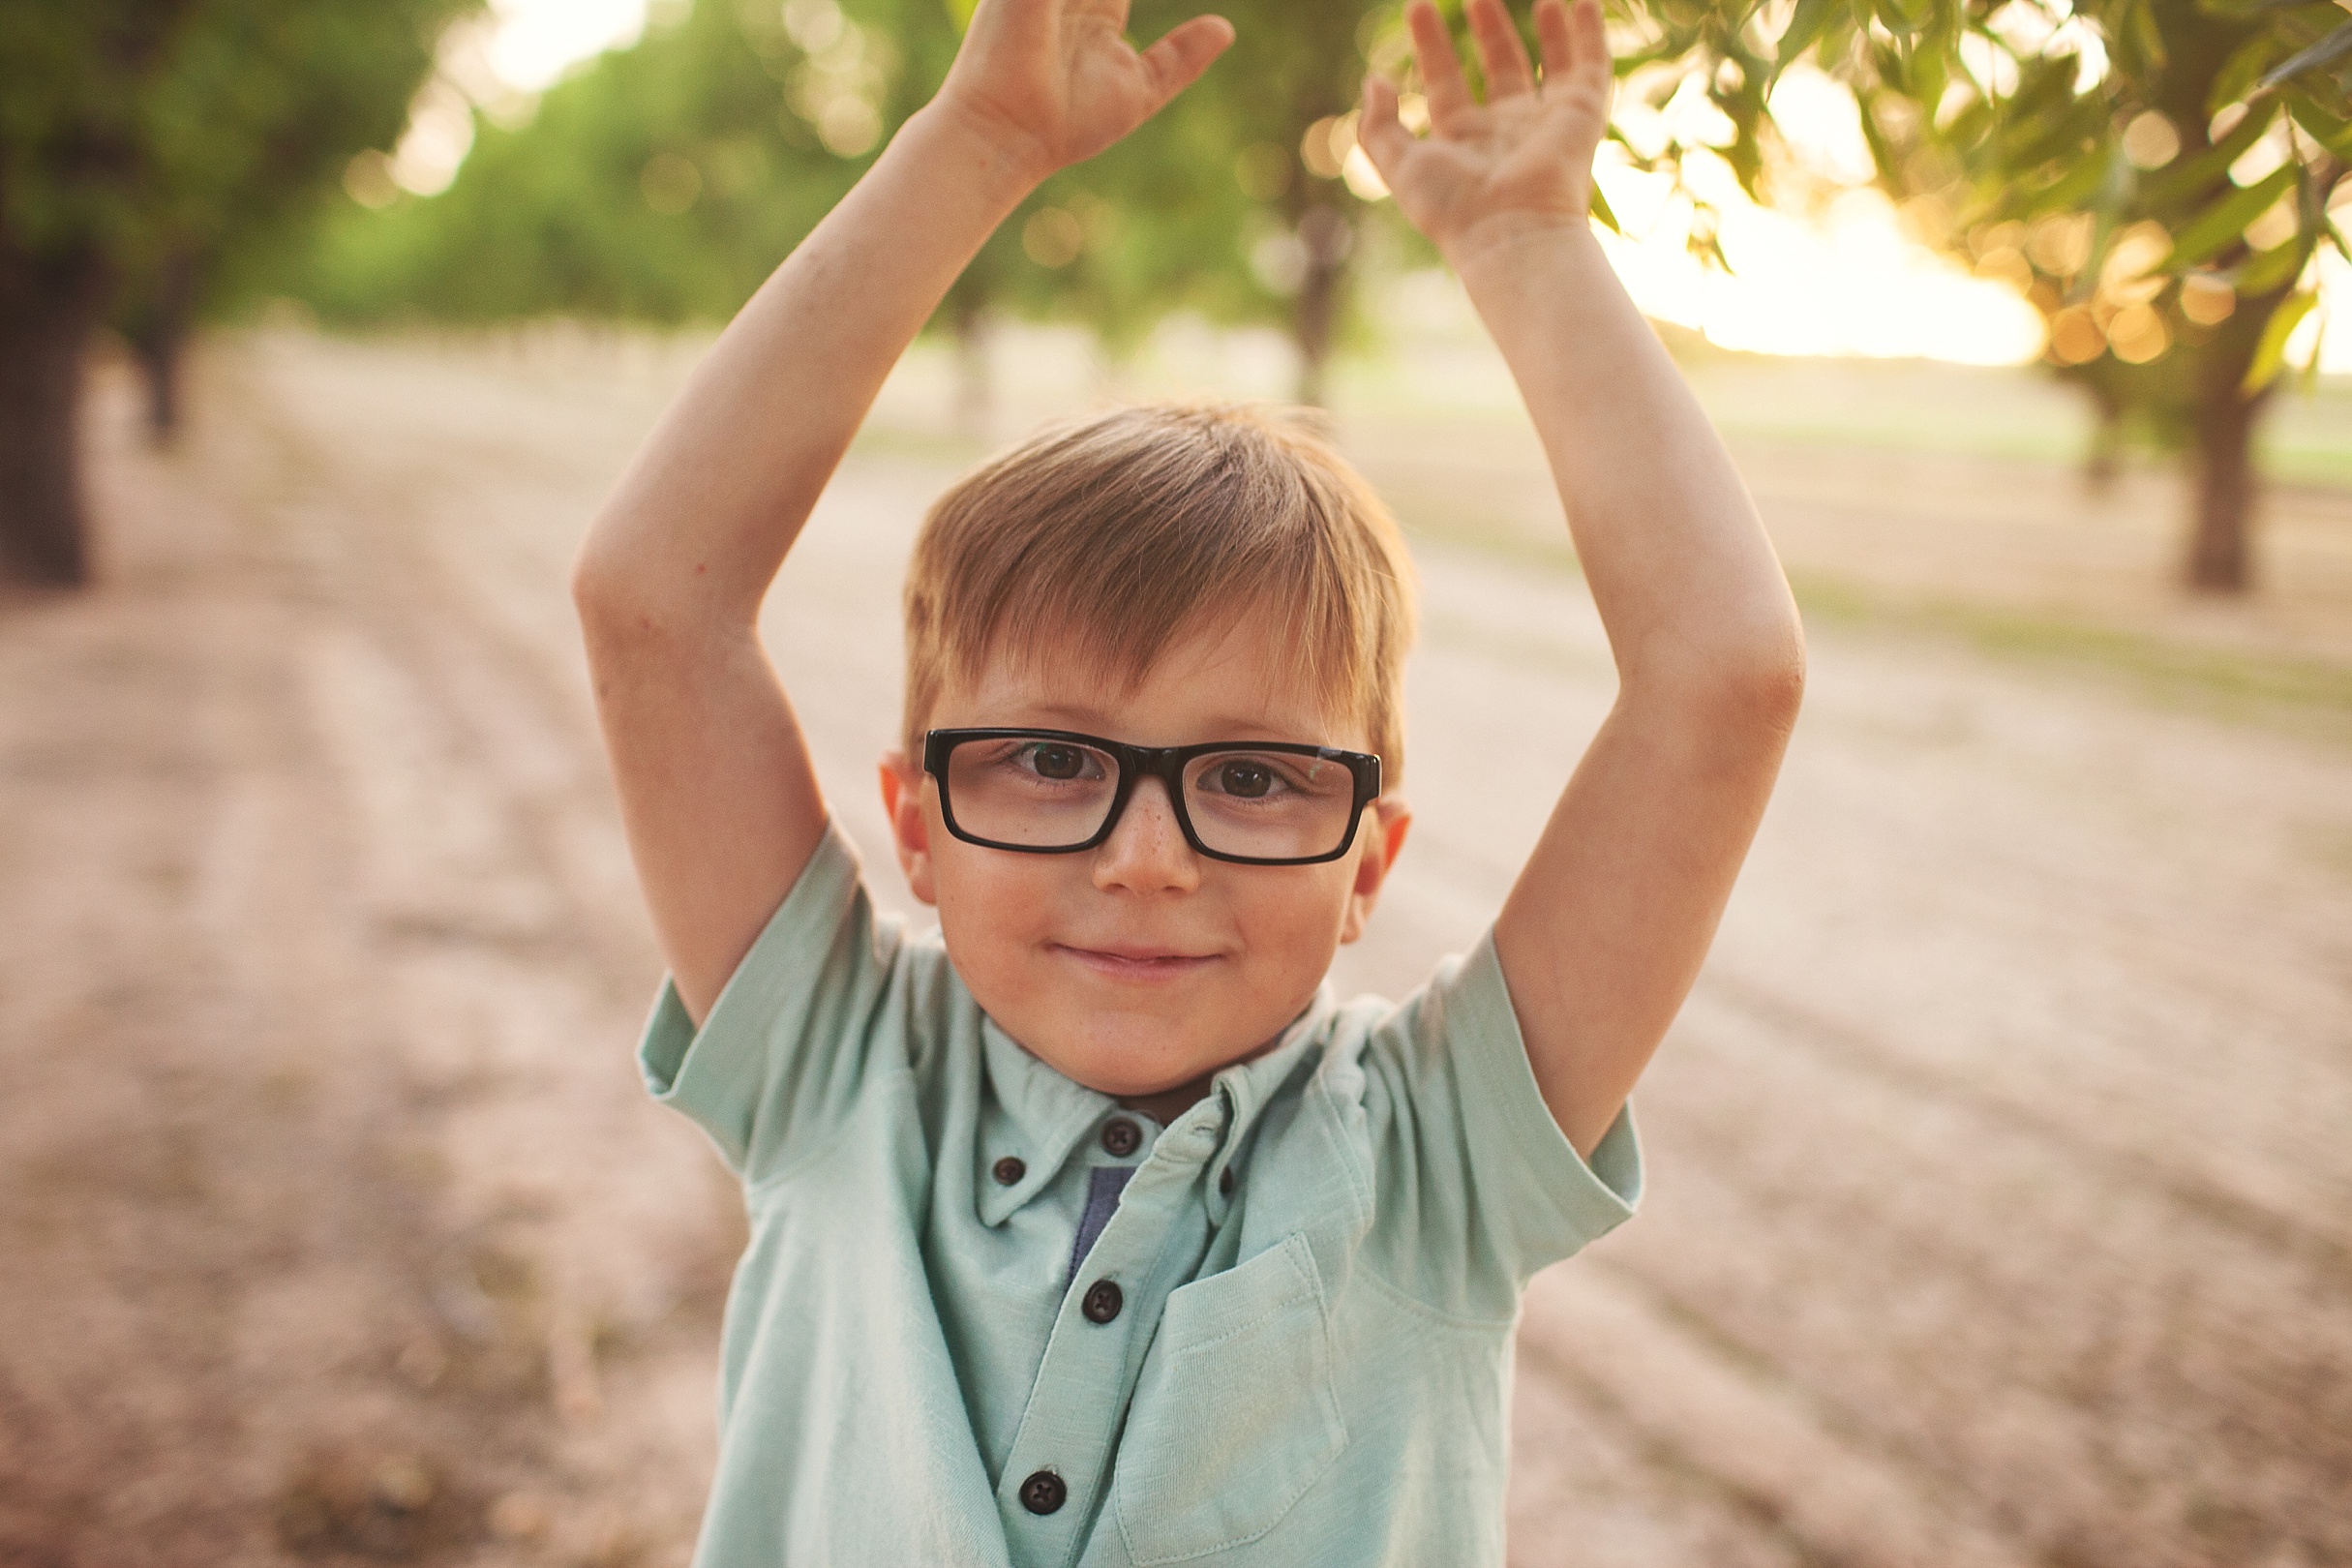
(1139, 967)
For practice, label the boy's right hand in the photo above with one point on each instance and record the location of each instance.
(1053, 82)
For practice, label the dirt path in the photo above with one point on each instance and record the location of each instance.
(336, 1226)
(2000, 1207)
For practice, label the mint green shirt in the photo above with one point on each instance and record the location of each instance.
(1289, 1343)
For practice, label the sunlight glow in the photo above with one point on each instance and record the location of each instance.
(1847, 278)
(531, 42)
(1849, 282)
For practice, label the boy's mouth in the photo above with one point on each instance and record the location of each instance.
(1136, 963)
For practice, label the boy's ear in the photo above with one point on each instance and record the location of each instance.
(909, 832)
(1384, 829)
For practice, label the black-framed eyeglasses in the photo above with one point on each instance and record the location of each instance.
(1056, 792)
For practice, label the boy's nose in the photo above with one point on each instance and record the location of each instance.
(1146, 852)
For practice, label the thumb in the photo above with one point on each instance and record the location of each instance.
(1178, 59)
(1378, 131)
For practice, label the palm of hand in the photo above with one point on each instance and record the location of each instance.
(1525, 158)
(1057, 80)
(1522, 159)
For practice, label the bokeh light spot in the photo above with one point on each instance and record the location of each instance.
(1054, 237)
(670, 183)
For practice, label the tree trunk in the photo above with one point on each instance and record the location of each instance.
(2223, 486)
(48, 310)
(2223, 482)
(2103, 462)
(157, 334)
(1327, 237)
(967, 320)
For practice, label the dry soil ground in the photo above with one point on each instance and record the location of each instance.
(2002, 1198)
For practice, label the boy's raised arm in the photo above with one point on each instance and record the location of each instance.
(1605, 930)
(716, 791)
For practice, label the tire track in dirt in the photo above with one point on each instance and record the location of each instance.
(328, 1129)
(212, 1200)
(506, 911)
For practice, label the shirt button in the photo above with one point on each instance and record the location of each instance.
(1008, 1171)
(1102, 1302)
(1044, 1493)
(1225, 1181)
(1121, 1137)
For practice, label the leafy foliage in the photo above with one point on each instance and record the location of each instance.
(2154, 175)
(2144, 170)
(134, 130)
(665, 181)
(662, 184)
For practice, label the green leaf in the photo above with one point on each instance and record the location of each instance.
(2269, 269)
(2246, 10)
(2069, 135)
(2114, 190)
(2188, 177)
(1882, 152)
(1897, 19)
(2330, 130)
(2270, 352)
(1805, 25)
(2137, 29)
(2206, 234)
(2071, 190)
(2237, 76)
(2043, 84)
(1601, 210)
(2335, 47)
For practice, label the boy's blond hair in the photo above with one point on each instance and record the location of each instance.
(1114, 535)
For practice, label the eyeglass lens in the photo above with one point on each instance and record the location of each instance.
(1051, 794)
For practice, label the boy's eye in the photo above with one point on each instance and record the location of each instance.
(1245, 779)
(1050, 761)
(1263, 779)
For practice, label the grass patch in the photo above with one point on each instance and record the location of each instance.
(2223, 681)
(2300, 694)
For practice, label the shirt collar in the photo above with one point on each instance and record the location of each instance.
(1051, 1115)
(1247, 1088)
(1048, 1115)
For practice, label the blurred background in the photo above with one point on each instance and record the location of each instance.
(2001, 1205)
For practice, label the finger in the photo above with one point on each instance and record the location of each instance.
(1440, 71)
(1576, 44)
(1500, 53)
(1183, 53)
(1555, 37)
(1378, 131)
(1013, 18)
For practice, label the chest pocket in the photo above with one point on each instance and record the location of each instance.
(1234, 1416)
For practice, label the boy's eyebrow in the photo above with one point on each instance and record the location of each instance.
(1106, 722)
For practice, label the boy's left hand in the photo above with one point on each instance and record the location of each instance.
(1521, 161)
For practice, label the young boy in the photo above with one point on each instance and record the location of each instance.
(1100, 1234)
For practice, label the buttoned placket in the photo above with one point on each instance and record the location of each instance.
(1051, 1487)
(1153, 1243)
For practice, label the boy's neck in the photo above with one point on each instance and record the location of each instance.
(1169, 1103)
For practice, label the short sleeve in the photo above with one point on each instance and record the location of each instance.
(1475, 1186)
(799, 1029)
